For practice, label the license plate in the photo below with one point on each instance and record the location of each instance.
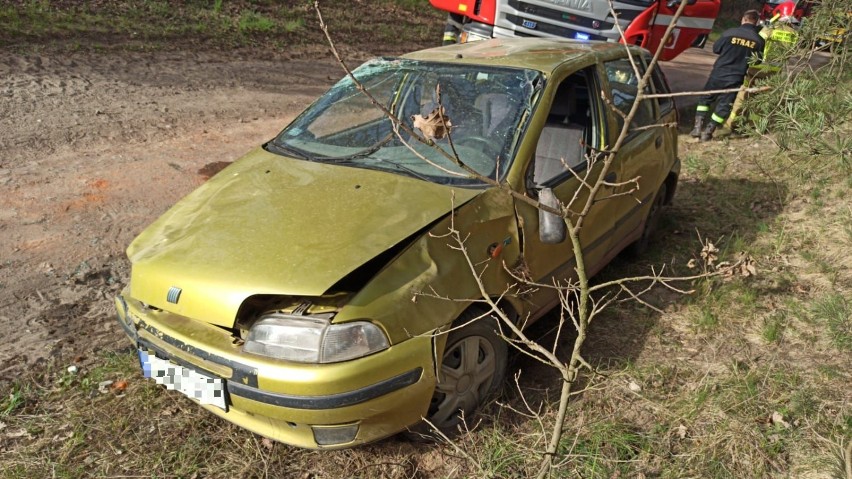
(201, 387)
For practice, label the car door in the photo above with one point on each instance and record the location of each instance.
(573, 129)
(640, 163)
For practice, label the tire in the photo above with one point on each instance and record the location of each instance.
(473, 370)
(652, 221)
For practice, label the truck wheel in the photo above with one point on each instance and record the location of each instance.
(472, 371)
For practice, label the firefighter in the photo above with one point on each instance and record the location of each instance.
(453, 28)
(781, 38)
(736, 48)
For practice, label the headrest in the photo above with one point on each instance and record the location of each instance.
(564, 102)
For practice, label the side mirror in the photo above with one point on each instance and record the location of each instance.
(551, 227)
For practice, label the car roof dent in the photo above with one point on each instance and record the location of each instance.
(542, 54)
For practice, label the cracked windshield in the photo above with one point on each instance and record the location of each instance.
(485, 108)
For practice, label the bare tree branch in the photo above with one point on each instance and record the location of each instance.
(580, 301)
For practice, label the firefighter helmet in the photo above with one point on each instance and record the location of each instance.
(785, 12)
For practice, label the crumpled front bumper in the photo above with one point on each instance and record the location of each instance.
(307, 405)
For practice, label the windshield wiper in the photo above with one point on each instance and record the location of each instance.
(378, 165)
(288, 150)
(361, 154)
(405, 169)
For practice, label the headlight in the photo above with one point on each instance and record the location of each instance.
(310, 340)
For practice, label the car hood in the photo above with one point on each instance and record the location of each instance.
(268, 224)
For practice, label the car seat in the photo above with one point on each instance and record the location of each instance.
(560, 145)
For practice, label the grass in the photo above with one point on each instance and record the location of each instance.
(253, 22)
(82, 432)
(607, 448)
(773, 326)
(706, 318)
(697, 166)
(159, 24)
(835, 311)
(13, 400)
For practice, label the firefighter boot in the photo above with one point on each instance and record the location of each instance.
(699, 124)
(707, 134)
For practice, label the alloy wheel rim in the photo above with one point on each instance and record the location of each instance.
(464, 379)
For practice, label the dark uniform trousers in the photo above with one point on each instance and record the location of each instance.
(724, 101)
(735, 49)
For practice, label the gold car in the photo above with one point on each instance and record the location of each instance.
(304, 292)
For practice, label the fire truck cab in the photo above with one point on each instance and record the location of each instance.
(644, 22)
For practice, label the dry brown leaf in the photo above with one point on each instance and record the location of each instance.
(748, 266)
(435, 125)
(778, 420)
(709, 254)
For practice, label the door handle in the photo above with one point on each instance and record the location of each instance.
(658, 142)
(610, 177)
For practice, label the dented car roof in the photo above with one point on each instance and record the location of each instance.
(542, 54)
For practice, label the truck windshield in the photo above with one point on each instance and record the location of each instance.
(486, 108)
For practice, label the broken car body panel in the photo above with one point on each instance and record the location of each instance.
(241, 222)
(414, 286)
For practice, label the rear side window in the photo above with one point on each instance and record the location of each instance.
(623, 83)
(661, 86)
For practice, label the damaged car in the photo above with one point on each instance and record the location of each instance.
(310, 292)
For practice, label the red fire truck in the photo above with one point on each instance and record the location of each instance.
(644, 22)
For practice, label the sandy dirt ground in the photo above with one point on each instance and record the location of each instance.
(93, 147)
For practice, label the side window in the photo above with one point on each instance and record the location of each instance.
(562, 145)
(661, 86)
(623, 83)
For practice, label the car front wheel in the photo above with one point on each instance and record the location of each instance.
(473, 369)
